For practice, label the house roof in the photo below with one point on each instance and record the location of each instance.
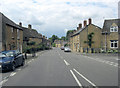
(10, 22)
(80, 30)
(108, 23)
(30, 33)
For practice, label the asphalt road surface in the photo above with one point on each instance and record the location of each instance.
(58, 68)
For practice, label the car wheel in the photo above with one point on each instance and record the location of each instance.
(13, 67)
(23, 63)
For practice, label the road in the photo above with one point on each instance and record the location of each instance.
(58, 68)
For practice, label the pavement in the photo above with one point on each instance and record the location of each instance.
(57, 68)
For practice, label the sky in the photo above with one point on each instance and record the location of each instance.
(50, 17)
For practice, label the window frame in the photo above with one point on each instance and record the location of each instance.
(113, 28)
(113, 41)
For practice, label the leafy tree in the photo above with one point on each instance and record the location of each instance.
(63, 38)
(69, 33)
(90, 37)
(53, 38)
(54, 45)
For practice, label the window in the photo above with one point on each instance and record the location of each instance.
(12, 30)
(114, 29)
(18, 34)
(114, 44)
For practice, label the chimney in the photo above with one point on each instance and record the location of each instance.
(20, 24)
(74, 31)
(80, 26)
(40, 35)
(29, 26)
(85, 23)
(77, 28)
(89, 21)
(43, 36)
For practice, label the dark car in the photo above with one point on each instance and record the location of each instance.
(11, 59)
(62, 48)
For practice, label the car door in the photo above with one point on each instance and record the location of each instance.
(16, 58)
(20, 58)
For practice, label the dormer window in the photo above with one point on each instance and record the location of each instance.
(114, 29)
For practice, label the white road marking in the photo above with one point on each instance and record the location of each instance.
(12, 74)
(85, 78)
(2, 82)
(80, 85)
(18, 69)
(116, 65)
(29, 62)
(117, 59)
(66, 62)
(103, 61)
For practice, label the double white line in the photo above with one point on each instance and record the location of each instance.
(78, 82)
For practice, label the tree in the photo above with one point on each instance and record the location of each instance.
(53, 38)
(90, 42)
(69, 33)
(63, 38)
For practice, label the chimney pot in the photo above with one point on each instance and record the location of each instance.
(80, 25)
(29, 26)
(85, 23)
(20, 24)
(90, 21)
(77, 28)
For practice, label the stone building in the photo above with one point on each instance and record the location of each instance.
(110, 34)
(11, 36)
(31, 35)
(60, 43)
(79, 39)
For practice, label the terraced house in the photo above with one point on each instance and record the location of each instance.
(86, 37)
(11, 34)
(31, 35)
(110, 34)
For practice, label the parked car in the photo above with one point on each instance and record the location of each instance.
(62, 48)
(67, 49)
(11, 59)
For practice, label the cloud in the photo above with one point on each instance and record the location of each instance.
(57, 16)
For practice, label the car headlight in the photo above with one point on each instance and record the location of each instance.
(7, 62)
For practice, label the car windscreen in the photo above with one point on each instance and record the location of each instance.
(9, 54)
(2, 55)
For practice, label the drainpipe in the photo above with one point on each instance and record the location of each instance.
(105, 41)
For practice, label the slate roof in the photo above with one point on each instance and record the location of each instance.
(30, 33)
(7, 21)
(108, 23)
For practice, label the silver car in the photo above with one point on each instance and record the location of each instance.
(67, 49)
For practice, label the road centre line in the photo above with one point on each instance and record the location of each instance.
(66, 62)
(78, 82)
(85, 78)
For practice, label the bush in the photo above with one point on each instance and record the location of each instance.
(54, 45)
(32, 49)
(112, 51)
